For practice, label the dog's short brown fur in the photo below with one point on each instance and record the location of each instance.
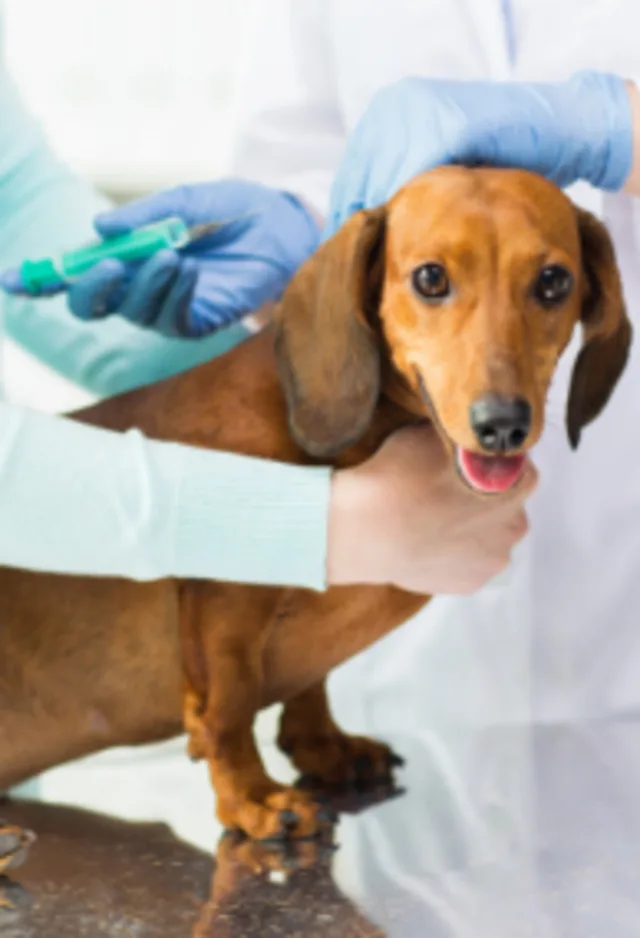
(91, 663)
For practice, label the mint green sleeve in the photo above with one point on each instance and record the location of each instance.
(78, 499)
(45, 208)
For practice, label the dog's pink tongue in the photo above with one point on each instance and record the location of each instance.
(490, 473)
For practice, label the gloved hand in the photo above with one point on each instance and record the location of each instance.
(578, 129)
(212, 282)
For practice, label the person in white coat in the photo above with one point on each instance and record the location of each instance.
(533, 667)
(568, 606)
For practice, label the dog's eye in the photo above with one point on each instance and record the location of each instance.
(431, 281)
(553, 285)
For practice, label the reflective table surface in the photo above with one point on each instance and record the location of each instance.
(541, 839)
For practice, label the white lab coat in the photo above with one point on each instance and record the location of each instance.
(554, 646)
(559, 637)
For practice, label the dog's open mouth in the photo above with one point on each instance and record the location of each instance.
(489, 474)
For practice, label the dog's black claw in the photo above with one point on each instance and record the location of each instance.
(308, 782)
(396, 793)
(273, 844)
(327, 815)
(330, 848)
(288, 818)
(362, 765)
(326, 852)
(396, 761)
(280, 842)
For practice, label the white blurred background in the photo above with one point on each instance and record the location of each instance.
(135, 95)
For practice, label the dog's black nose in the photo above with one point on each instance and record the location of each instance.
(500, 424)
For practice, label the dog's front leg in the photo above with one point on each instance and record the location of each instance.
(223, 644)
(326, 755)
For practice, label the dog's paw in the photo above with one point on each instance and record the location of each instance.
(341, 761)
(14, 846)
(261, 857)
(279, 814)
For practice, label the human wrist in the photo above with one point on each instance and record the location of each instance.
(348, 535)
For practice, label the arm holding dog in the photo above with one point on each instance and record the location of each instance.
(585, 128)
(146, 509)
(81, 500)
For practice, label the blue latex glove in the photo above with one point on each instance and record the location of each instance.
(578, 129)
(212, 282)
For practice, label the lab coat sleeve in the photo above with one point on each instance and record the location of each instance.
(289, 132)
(77, 499)
(45, 208)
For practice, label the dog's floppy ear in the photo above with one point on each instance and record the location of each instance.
(606, 328)
(327, 352)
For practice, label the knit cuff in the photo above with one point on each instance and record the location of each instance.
(252, 521)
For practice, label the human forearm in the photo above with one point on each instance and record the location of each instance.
(76, 499)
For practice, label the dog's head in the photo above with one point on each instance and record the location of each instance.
(471, 283)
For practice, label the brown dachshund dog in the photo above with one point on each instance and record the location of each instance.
(453, 302)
